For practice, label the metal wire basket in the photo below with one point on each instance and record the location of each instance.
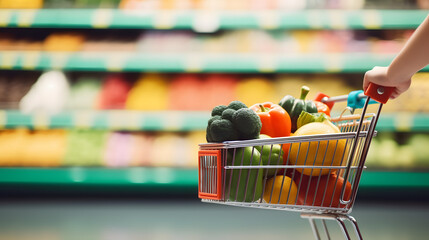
(316, 175)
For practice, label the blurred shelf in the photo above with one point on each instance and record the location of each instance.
(210, 21)
(172, 177)
(109, 120)
(167, 120)
(403, 122)
(246, 62)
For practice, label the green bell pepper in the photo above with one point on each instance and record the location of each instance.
(237, 179)
(295, 106)
(271, 155)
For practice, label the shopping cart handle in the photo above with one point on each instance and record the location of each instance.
(379, 93)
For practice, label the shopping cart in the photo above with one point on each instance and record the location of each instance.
(317, 175)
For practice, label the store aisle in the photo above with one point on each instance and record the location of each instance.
(129, 220)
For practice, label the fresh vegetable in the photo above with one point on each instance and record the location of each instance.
(322, 191)
(275, 120)
(243, 185)
(295, 106)
(280, 190)
(306, 117)
(233, 122)
(322, 108)
(318, 153)
(271, 155)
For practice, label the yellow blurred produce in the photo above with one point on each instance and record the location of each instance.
(44, 148)
(255, 90)
(150, 92)
(21, 4)
(69, 42)
(12, 143)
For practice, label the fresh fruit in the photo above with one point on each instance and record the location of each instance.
(324, 191)
(318, 153)
(280, 190)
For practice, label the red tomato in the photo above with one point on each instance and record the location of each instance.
(325, 192)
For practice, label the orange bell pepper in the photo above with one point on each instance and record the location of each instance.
(322, 108)
(275, 120)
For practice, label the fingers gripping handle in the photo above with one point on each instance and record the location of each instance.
(379, 93)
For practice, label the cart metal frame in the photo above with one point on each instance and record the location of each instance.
(218, 172)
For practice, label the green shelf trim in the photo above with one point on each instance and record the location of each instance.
(387, 179)
(109, 120)
(210, 21)
(168, 120)
(403, 122)
(137, 62)
(171, 177)
(136, 176)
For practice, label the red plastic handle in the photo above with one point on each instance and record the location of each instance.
(320, 96)
(379, 93)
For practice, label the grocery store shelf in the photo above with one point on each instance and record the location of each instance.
(201, 62)
(111, 120)
(172, 177)
(167, 120)
(210, 21)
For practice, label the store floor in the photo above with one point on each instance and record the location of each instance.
(189, 219)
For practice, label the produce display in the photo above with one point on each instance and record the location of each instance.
(98, 148)
(210, 4)
(246, 41)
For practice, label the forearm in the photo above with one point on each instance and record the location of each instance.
(413, 57)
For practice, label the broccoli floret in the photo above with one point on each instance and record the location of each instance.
(223, 130)
(247, 122)
(227, 114)
(218, 110)
(235, 122)
(236, 105)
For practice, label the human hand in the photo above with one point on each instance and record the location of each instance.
(379, 76)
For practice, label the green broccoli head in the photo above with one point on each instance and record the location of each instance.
(217, 111)
(223, 130)
(233, 122)
(236, 105)
(247, 122)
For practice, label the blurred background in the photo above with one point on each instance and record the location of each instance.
(103, 104)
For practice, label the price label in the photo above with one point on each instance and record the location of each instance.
(59, 60)
(26, 18)
(371, 19)
(138, 175)
(116, 62)
(30, 60)
(5, 17)
(334, 63)
(404, 122)
(77, 175)
(315, 19)
(41, 121)
(125, 120)
(102, 18)
(194, 63)
(269, 20)
(164, 20)
(3, 119)
(267, 63)
(173, 121)
(8, 59)
(84, 119)
(338, 19)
